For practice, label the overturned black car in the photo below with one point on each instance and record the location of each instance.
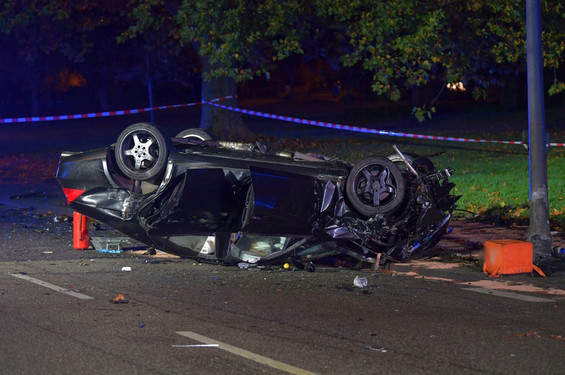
(243, 202)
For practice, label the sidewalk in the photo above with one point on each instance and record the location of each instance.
(459, 257)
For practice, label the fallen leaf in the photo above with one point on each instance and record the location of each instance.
(530, 334)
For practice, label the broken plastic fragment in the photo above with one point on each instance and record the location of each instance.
(360, 282)
(120, 299)
(377, 349)
(110, 251)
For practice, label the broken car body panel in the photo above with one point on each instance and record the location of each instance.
(260, 206)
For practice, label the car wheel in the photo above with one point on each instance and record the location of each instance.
(194, 133)
(142, 151)
(375, 186)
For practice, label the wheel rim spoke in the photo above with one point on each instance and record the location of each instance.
(386, 182)
(140, 151)
(136, 140)
(368, 183)
(378, 187)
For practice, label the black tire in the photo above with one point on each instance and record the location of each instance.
(375, 186)
(194, 133)
(142, 151)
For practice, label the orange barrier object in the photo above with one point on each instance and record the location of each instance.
(81, 240)
(506, 257)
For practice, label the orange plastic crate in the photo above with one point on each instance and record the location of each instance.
(506, 257)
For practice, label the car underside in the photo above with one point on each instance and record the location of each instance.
(230, 202)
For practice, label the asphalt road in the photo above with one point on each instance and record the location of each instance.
(58, 316)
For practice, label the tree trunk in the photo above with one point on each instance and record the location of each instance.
(102, 94)
(34, 98)
(149, 86)
(223, 123)
(98, 83)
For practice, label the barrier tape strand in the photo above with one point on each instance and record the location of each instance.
(366, 130)
(103, 114)
(214, 102)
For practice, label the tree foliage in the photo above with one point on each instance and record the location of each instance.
(410, 43)
(41, 38)
(39, 35)
(236, 40)
(404, 44)
(46, 37)
(240, 39)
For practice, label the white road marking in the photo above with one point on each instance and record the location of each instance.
(246, 354)
(502, 293)
(51, 286)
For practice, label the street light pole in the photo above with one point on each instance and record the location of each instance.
(540, 235)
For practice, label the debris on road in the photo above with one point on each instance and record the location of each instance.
(376, 349)
(110, 251)
(120, 299)
(530, 334)
(62, 219)
(360, 282)
(109, 244)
